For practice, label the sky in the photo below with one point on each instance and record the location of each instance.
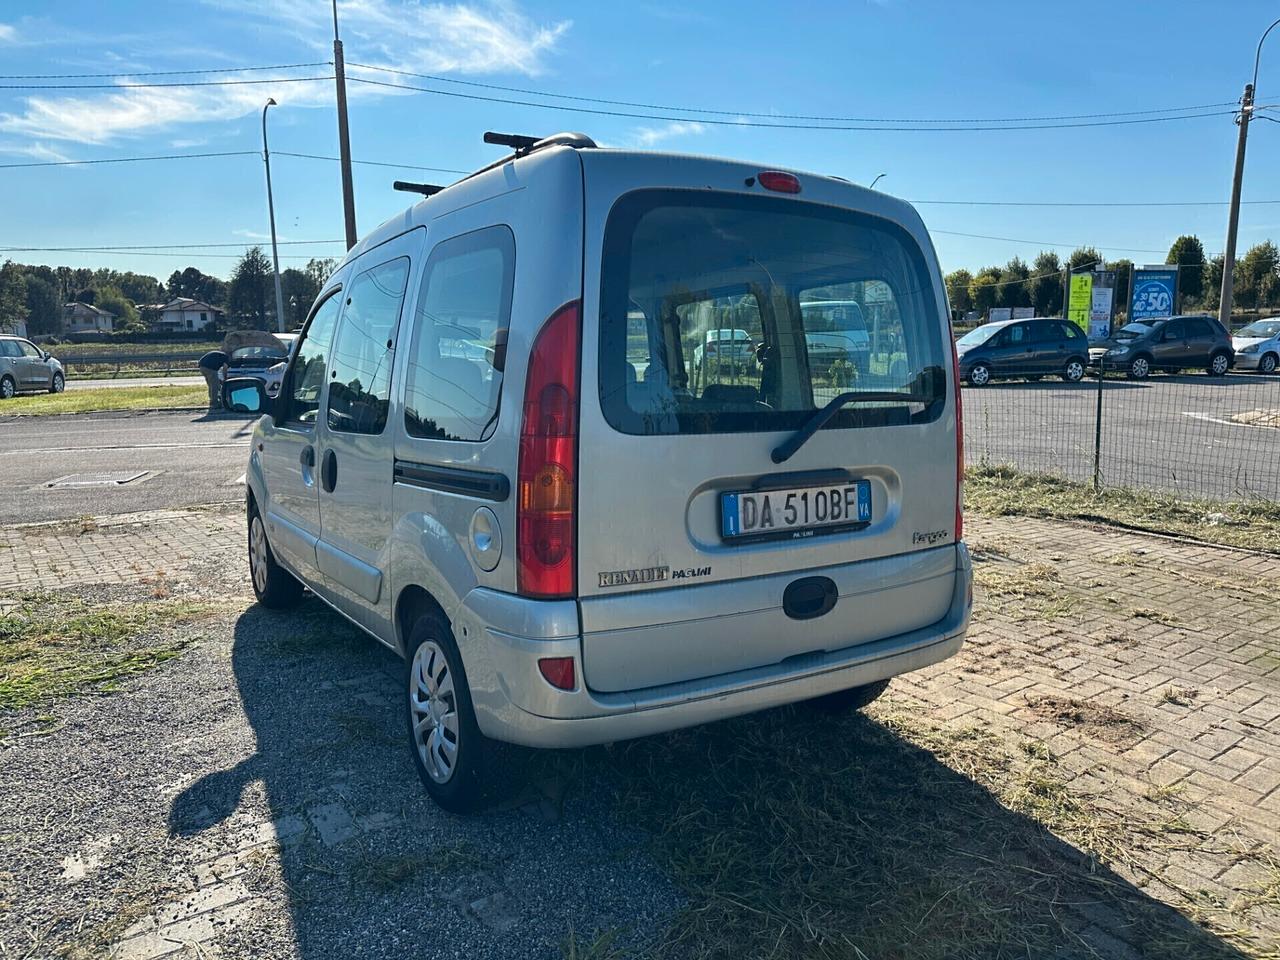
(905, 60)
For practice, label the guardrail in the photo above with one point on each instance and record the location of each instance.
(183, 362)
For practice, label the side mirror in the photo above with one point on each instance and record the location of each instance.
(46, 356)
(245, 395)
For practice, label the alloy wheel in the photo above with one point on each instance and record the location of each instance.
(433, 705)
(1140, 368)
(7, 389)
(59, 384)
(979, 376)
(1268, 364)
(1219, 364)
(258, 553)
(1075, 371)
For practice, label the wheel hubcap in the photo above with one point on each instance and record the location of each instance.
(6, 390)
(433, 709)
(1268, 364)
(1074, 371)
(1140, 368)
(1219, 364)
(258, 554)
(58, 384)
(980, 375)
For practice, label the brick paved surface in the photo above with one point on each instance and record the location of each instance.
(1145, 669)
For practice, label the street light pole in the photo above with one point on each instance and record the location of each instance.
(344, 135)
(875, 181)
(271, 213)
(1233, 217)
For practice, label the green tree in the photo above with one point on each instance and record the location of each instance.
(958, 290)
(1212, 281)
(252, 288)
(319, 270)
(1258, 276)
(198, 286)
(299, 289)
(1014, 290)
(1124, 279)
(44, 308)
(1084, 257)
(1046, 288)
(111, 299)
(984, 291)
(13, 294)
(1188, 253)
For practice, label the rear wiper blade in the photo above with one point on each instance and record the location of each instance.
(786, 450)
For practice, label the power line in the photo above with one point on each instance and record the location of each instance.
(159, 246)
(1042, 243)
(148, 86)
(169, 156)
(1089, 203)
(783, 116)
(371, 163)
(776, 126)
(160, 73)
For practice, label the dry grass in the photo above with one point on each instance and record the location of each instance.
(1096, 719)
(1003, 491)
(793, 835)
(1027, 591)
(52, 645)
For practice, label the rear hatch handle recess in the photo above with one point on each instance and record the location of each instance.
(787, 449)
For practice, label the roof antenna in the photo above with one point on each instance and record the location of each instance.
(426, 189)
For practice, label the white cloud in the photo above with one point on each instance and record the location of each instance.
(36, 151)
(647, 137)
(8, 33)
(188, 142)
(404, 34)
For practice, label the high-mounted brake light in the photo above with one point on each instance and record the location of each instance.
(955, 381)
(779, 181)
(546, 486)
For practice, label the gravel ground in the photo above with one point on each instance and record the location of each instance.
(144, 807)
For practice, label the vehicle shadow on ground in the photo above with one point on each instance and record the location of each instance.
(789, 833)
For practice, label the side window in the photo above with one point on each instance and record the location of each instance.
(459, 337)
(360, 388)
(1016, 335)
(1173, 330)
(29, 349)
(9, 348)
(1043, 332)
(1069, 330)
(1199, 329)
(307, 378)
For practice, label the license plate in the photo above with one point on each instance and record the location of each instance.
(795, 512)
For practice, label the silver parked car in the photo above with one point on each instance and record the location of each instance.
(24, 368)
(490, 452)
(1257, 346)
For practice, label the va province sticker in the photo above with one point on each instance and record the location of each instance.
(622, 578)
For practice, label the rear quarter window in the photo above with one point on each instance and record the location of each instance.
(725, 313)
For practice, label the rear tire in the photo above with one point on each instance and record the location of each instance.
(1219, 364)
(452, 757)
(57, 384)
(1073, 372)
(274, 586)
(846, 701)
(8, 388)
(979, 375)
(1267, 364)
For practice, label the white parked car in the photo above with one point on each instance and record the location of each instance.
(1258, 346)
(567, 541)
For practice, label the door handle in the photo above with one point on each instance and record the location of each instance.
(329, 471)
(308, 456)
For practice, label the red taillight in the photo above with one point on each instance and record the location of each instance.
(546, 486)
(779, 181)
(955, 380)
(558, 671)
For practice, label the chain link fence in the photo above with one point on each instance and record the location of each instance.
(1191, 434)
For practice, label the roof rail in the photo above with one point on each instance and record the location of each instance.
(521, 144)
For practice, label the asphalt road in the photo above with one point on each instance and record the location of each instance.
(188, 458)
(1168, 433)
(1171, 433)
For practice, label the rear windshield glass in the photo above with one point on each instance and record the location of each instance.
(723, 313)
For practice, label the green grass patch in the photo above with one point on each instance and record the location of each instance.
(94, 400)
(72, 351)
(1000, 491)
(54, 646)
(792, 834)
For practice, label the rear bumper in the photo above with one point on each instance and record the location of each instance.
(514, 703)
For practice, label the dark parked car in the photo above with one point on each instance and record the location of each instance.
(1023, 348)
(1171, 344)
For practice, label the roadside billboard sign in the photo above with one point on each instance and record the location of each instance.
(1000, 313)
(1155, 293)
(1080, 301)
(1023, 313)
(1100, 313)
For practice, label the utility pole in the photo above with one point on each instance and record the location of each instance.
(344, 135)
(1233, 217)
(271, 214)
